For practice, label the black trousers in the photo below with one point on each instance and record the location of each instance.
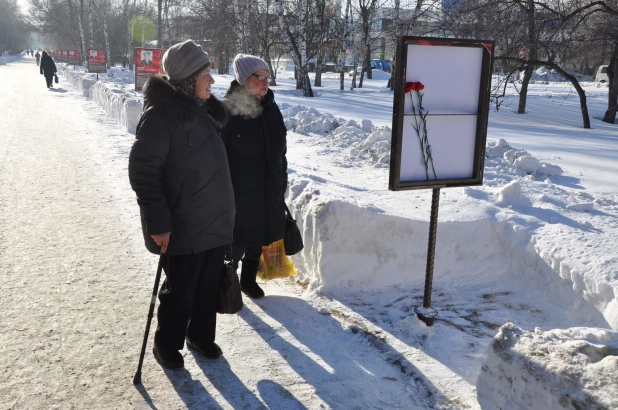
(49, 81)
(188, 299)
(249, 252)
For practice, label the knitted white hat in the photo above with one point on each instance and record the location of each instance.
(245, 65)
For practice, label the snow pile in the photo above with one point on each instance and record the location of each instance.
(545, 75)
(124, 108)
(5, 59)
(76, 78)
(500, 155)
(114, 92)
(369, 143)
(574, 368)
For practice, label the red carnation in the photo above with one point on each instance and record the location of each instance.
(414, 86)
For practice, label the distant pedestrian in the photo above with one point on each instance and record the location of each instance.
(179, 170)
(48, 69)
(255, 138)
(38, 57)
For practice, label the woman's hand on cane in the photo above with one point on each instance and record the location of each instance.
(162, 239)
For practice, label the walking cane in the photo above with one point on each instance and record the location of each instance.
(138, 375)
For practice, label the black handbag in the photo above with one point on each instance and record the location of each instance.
(56, 78)
(292, 240)
(230, 298)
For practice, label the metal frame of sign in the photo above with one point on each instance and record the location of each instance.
(72, 60)
(139, 86)
(96, 67)
(395, 182)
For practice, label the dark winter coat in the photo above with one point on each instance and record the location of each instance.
(255, 138)
(179, 170)
(48, 67)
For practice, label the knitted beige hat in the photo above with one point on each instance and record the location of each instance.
(182, 60)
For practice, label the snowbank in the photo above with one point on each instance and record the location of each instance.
(8, 59)
(76, 78)
(545, 75)
(525, 228)
(123, 108)
(114, 92)
(559, 369)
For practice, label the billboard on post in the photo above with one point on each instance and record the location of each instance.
(73, 57)
(97, 61)
(65, 56)
(440, 112)
(147, 63)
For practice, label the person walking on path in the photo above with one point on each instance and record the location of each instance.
(179, 170)
(37, 56)
(255, 139)
(48, 69)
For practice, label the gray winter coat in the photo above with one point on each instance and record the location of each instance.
(179, 170)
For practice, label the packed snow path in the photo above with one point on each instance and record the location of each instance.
(77, 283)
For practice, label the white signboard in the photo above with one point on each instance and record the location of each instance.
(440, 113)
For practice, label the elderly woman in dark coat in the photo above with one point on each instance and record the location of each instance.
(48, 69)
(178, 168)
(255, 138)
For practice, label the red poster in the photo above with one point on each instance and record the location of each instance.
(148, 60)
(97, 56)
(74, 57)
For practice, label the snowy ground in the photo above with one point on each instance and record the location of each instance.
(536, 250)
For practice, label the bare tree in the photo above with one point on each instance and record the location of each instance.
(298, 42)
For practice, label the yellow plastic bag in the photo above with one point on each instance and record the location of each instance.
(274, 263)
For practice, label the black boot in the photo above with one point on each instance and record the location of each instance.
(248, 273)
(170, 359)
(209, 350)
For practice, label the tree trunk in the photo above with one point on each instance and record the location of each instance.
(80, 12)
(368, 62)
(612, 95)
(318, 70)
(108, 51)
(273, 73)
(346, 35)
(130, 51)
(299, 48)
(391, 81)
(240, 39)
(530, 14)
(580, 92)
(143, 21)
(91, 23)
(159, 24)
(302, 31)
(166, 20)
(523, 93)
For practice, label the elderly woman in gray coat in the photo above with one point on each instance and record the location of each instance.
(178, 168)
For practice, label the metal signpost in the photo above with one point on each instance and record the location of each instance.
(440, 114)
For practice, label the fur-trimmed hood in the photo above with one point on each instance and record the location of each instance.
(178, 107)
(241, 103)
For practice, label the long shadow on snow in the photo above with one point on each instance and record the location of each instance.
(469, 316)
(228, 384)
(191, 391)
(277, 397)
(142, 390)
(340, 352)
